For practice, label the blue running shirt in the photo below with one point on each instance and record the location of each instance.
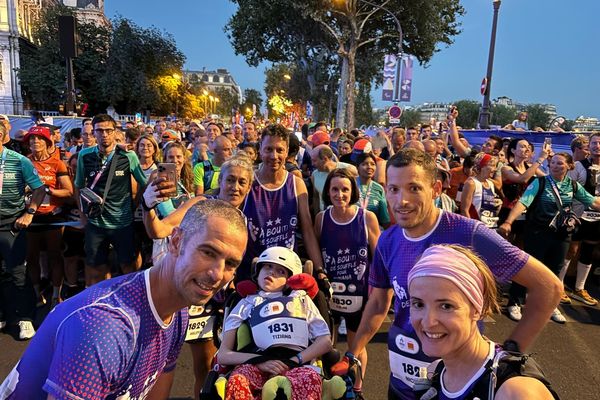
(394, 257)
(107, 342)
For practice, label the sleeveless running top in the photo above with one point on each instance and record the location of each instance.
(272, 216)
(483, 206)
(345, 252)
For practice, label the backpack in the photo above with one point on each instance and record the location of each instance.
(505, 365)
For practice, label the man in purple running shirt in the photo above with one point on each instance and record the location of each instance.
(120, 338)
(411, 190)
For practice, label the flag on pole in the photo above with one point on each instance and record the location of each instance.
(406, 78)
(389, 77)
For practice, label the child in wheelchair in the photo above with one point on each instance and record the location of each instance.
(287, 332)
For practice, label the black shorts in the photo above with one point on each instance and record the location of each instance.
(98, 240)
(73, 240)
(587, 231)
(352, 320)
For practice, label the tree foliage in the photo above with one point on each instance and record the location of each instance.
(468, 113)
(410, 117)
(537, 116)
(252, 97)
(502, 115)
(364, 108)
(357, 33)
(139, 65)
(127, 66)
(43, 70)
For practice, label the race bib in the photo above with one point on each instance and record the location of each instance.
(590, 216)
(281, 321)
(200, 324)
(346, 304)
(406, 368)
(489, 220)
(406, 355)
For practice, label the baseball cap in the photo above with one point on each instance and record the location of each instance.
(363, 146)
(41, 131)
(319, 138)
(170, 134)
(3, 116)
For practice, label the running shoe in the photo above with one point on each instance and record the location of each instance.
(584, 297)
(558, 317)
(514, 312)
(564, 299)
(26, 330)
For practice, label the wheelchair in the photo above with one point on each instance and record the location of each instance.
(334, 387)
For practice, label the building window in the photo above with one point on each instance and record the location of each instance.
(227, 79)
(205, 78)
(216, 78)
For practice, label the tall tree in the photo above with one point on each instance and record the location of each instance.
(468, 113)
(364, 108)
(360, 26)
(280, 32)
(252, 99)
(410, 117)
(502, 115)
(138, 67)
(537, 116)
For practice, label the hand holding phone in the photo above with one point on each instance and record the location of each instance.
(547, 144)
(168, 171)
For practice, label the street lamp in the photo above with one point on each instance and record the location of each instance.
(484, 114)
(287, 77)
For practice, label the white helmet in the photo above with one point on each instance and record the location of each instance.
(280, 256)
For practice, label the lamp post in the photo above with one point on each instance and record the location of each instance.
(484, 114)
(205, 95)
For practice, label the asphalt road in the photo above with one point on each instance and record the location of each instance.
(569, 354)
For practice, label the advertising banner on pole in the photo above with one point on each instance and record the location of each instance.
(389, 77)
(406, 78)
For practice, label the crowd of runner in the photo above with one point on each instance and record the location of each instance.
(108, 200)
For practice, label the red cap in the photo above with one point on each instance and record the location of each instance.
(363, 145)
(319, 138)
(40, 131)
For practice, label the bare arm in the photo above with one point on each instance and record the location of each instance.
(66, 188)
(161, 228)
(516, 211)
(467, 197)
(523, 388)
(460, 148)
(320, 346)
(36, 199)
(509, 174)
(162, 387)
(308, 234)
(373, 316)
(543, 294)
(373, 230)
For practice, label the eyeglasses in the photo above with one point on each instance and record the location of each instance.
(101, 131)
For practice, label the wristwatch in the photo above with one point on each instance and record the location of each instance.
(31, 211)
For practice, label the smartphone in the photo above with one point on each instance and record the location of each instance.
(547, 143)
(169, 171)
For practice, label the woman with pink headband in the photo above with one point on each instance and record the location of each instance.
(479, 199)
(451, 290)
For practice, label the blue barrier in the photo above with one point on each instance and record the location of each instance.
(560, 141)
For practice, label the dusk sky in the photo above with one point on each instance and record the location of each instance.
(545, 50)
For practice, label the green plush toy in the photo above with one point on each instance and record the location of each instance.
(271, 387)
(333, 388)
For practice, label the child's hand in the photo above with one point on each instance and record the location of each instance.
(273, 367)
